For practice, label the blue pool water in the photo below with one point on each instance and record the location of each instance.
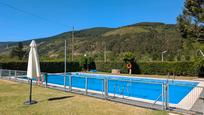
(144, 88)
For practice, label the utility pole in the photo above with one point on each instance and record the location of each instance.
(65, 62)
(105, 58)
(73, 43)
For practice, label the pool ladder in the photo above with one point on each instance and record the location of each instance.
(172, 78)
(157, 99)
(121, 91)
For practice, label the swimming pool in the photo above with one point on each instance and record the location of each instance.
(137, 87)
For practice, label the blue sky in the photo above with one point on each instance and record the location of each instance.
(60, 15)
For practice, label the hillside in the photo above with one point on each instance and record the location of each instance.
(146, 40)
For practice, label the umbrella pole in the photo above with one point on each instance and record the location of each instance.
(30, 101)
(30, 98)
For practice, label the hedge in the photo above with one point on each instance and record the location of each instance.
(162, 68)
(51, 67)
(152, 68)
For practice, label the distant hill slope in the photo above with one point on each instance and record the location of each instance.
(146, 40)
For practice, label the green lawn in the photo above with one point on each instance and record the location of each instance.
(13, 94)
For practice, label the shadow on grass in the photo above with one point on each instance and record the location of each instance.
(59, 98)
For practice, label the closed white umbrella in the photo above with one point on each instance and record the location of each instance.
(33, 69)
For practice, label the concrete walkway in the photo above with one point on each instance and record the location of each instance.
(199, 105)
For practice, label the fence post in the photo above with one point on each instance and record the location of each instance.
(165, 98)
(70, 83)
(174, 76)
(9, 73)
(65, 75)
(0, 73)
(46, 79)
(15, 75)
(106, 87)
(86, 85)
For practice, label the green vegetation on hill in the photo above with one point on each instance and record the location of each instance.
(146, 40)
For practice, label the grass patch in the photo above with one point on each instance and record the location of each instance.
(54, 102)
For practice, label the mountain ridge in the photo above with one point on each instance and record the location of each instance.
(146, 40)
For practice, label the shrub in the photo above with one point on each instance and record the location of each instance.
(152, 68)
(162, 68)
(107, 66)
(199, 67)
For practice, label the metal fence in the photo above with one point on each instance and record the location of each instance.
(123, 90)
(4, 73)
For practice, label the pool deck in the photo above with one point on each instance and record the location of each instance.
(199, 105)
(147, 76)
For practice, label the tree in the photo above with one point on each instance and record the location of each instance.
(128, 57)
(18, 51)
(191, 21)
(87, 63)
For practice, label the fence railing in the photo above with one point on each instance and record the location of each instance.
(124, 90)
(137, 92)
(12, 73)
